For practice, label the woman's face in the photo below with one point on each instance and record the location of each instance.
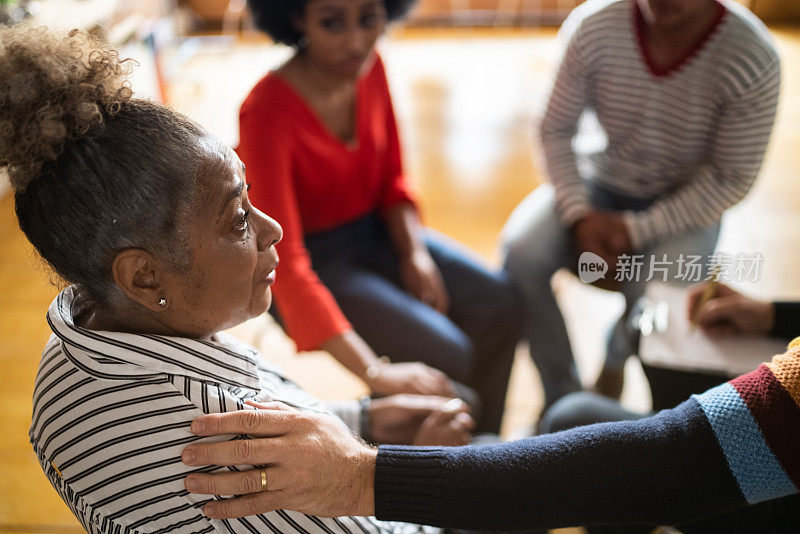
(340, 35)
(232, 246)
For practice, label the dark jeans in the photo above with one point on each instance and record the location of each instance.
(473, 344)
(776, 516)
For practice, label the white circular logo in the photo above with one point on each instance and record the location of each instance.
(591, 267)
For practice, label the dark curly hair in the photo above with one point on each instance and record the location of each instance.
(94, 170)
(275, 17)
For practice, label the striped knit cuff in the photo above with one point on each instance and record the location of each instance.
(573, 213)
(639, 229)
(571, 201)
(349, 411)
(407, 487)
(755, 418)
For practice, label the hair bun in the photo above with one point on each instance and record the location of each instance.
(53, 89)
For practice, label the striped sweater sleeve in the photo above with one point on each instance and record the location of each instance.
(732, 446)
(559, 124)
(737, 152)
(756, 420)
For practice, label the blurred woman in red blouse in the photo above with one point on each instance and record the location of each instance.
(359, 275)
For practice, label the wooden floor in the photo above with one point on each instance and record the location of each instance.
(464, 101)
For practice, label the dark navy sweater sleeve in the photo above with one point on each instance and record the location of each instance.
(665, 469)
(787, 320)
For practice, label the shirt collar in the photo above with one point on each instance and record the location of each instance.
(118, 355)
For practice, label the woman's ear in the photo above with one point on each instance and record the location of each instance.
(138, 274)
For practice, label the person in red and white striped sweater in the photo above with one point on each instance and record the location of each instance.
(685, 93)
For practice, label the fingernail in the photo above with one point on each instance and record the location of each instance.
(191, 484)
(453, 405)
(209, 509)
(187, 456)
(198, 427)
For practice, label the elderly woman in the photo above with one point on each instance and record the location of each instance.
(359, 275)
(147, 217)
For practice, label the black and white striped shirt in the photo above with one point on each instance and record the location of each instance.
(693, 138)
(111, 415)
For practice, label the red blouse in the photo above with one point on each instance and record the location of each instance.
(310, 181)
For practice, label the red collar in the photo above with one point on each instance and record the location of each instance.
(657, 71)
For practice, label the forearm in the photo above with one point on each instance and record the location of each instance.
(381, 376)
(559, 125)
(405, 230)
(353, 353)
(571, 194)
(664, 469)
(732, 446)
(698, 204)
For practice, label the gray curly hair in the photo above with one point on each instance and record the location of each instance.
(94, 170)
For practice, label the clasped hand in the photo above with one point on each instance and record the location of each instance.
(420, 420)
(422, 278)
(411, 377)
(603, 233)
